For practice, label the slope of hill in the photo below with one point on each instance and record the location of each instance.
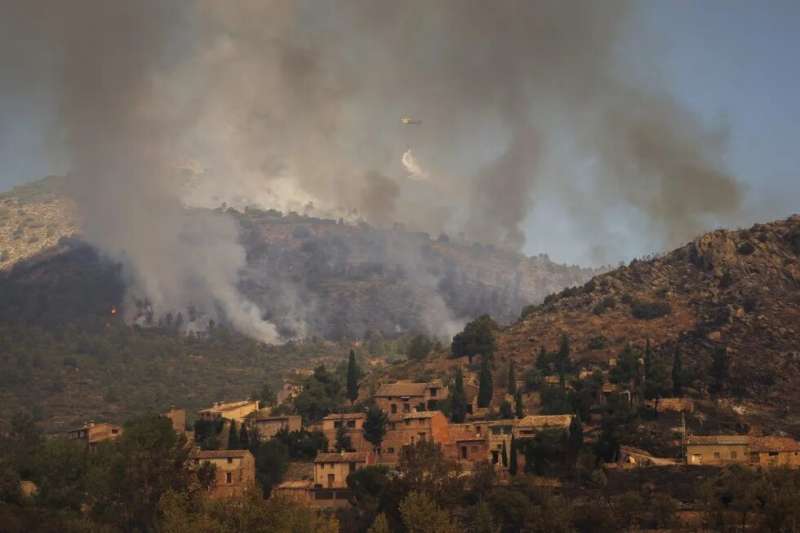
(340, 280)
(733, 290)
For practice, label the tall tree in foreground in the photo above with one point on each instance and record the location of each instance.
(458, 400)
(421, 514)
(485, 386)
(562, 360)
(375, 426)
(353, 375)
(677, 373)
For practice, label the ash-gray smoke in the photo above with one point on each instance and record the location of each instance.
(291, 104)
(121, 122)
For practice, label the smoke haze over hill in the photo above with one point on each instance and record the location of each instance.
(291, 104)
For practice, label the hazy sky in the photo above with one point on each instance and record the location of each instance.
(732, 61)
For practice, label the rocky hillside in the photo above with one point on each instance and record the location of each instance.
(32, 219)
(342, 280)
(734, 290)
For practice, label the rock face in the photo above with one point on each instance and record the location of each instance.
(340, 280)
(734, 289)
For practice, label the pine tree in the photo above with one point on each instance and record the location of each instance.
(575, 435)
(233, 437)
(512, 466)
(343, 441)
(375, 426)
(458, 400)
(485, 386)
(519, 407)
(677, 373)
(353, 374)
(512, 379)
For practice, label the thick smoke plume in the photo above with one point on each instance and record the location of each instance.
(296, 103)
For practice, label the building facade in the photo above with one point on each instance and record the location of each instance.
(235, 471)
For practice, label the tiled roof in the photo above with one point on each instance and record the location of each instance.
(218, 408)
(718, 440)
(346, 457)
(345, 416)
(219, 454)
(420, 414)
(402, 388)
(295, 484)
(774, 444)
(275, 418)
(545, 421)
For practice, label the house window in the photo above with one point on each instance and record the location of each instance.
(114, 431)
(406, 408)
(422, 436)
(463, 452)
(408, 422)
(394, 408)
(230, 460)
(389, 450)
(352, 467)
(351, 423)
(228, 477)
(331, 480)
(434, 392)
(716, 455)
(337, 424)
(733, 455)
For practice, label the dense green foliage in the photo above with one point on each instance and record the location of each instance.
(419, 348)
(476, 339)
(375, 426)
(458, 399)
(353, 376)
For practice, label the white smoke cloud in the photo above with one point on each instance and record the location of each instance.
(413, 167)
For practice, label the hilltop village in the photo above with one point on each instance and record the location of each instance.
(556, 425)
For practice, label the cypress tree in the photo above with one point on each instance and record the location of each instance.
(504, 455)
(375, 426)
(677, 373)
(458, 400)
(244, 438)
(512, 467)
(648, 361)
(519, 407)
(485, 386)
(233, 437)
(353, 373)
(512, 379)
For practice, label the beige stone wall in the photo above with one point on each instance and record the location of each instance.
(717, 454)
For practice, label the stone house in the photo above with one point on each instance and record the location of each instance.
(92, 433)
(235, 471)
(266, 426)
(236, 411)
(331, 469)
(494, 432)
(413, 427)
(466, 447)
(774, 451)
(353, 423)
(405, 396)
(530, 425)
(297, 490)
(717, 449)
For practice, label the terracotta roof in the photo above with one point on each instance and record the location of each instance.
(420, 414)
(402, 388)
(219, 454)
(345, 416)
(295, 484)
(218, 408)
(718, 440)
(675, 404)
(545, 421)
(774, 444)
(346, 457)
